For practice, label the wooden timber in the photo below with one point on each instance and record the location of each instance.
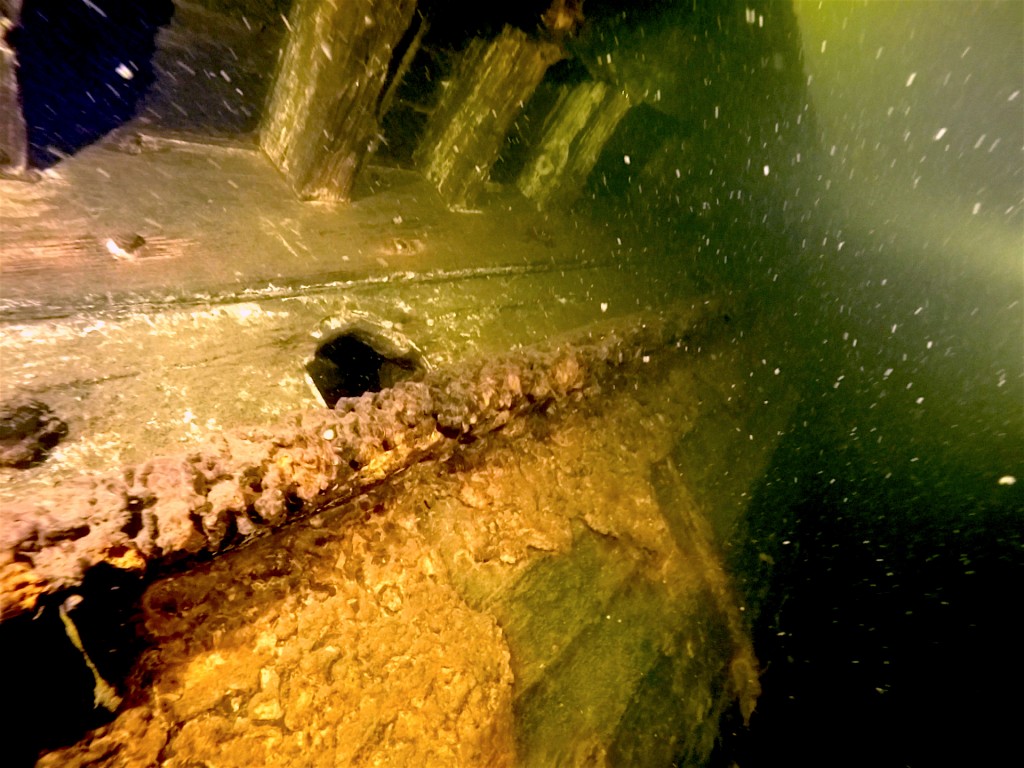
(13, 135)
(321, 119)
(491, 85)
(578, 127)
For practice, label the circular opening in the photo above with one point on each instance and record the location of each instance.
(355, 360)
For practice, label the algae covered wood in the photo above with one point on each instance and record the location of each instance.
(321, 120)
(13, 136)
(490, 87)
(577, 128)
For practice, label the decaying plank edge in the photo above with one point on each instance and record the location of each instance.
(248, 482)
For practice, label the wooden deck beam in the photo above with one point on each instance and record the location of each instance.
(464, 136)
(321, 121)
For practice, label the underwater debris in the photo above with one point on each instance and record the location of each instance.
(29, 430)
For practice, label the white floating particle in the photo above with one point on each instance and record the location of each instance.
(767, 170)
(125, 71)
(941, 132)
(975, 209)
(1013, 96)
(910, 80)
(1007, 480)
(95, 8)
(919, 400)
(625, 159)
(604, 306)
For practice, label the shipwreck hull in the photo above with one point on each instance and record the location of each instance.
(500, 565)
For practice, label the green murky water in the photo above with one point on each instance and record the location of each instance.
(869, 209)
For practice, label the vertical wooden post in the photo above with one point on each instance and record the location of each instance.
(321, 120)
(577, 128)
(13, 134)
(491, 85)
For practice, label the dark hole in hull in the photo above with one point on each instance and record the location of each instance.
(349, 365)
